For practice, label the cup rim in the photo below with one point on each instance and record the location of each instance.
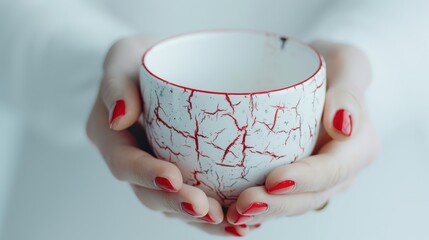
(233, 31)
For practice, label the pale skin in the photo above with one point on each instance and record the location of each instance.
(337, 160)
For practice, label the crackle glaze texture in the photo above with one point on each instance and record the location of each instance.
(225, 143)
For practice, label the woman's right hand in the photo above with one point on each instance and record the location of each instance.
(113, 127)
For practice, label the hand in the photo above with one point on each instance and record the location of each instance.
(114, 129)
(347, 144)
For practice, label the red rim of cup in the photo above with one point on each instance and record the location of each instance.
(236, 31)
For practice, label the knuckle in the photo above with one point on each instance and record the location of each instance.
(283, 210)
(114, 169)
(341, 172)
(114, 164)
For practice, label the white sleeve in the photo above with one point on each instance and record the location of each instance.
(51, 55)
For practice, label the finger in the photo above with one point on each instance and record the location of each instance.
(215, 213)
(190, 201)
(336, 162)
(120, 89)
(223, 229)
(349, 75)
(213, 216)
(280, 205)
(125, 160)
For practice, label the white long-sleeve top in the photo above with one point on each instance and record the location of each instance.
(54, 185)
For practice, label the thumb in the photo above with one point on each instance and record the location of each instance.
(120, 88)
(348, 76)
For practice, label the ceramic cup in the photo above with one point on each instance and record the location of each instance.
(227, 107)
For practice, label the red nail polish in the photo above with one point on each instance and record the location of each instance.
(242, 219)
(233, 231)
(208, 218)
(257, 225)
(164, 184)
(118, 111)
(343, 122)
(256, 208)
(188, 208)
(282, 187)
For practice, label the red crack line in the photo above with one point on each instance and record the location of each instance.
(235, 121)
(206, 113)
(252, 104)
(315, 90)
(290, 132)
(294, 160)
(189, 107)
(167, 148)
(273, 155)
(198, 182)
(231, 104)
(222, 149)
(218, 110)
(298, 127)
(221, 185)
(296, 109)
(271, 128)
(183, 133)
(278, 108)
(197, 145)
(243, 151)
(218, 133)
(159, 119)
(311, 131)
(227, 149)
(218, 191)
(300, 124)
(243, 142)
(265, 124)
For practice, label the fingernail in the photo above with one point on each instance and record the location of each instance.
(343, 122)
(232, 231)
(118, 111)
(257, 225)
(242, 219)
(282, 187)
(188, 208)
(208, 218)
(164, 184)
(256, 208)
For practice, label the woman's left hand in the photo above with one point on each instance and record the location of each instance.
(347, 143)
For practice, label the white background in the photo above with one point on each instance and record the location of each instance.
(54, 185)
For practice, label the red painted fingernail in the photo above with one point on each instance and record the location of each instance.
(256, 208)
(164, 184)
(242, 219)
(282, 187)
(188, 208)
(257, 225)
(233, 231)
(118, 111)
(208, 218)
(243, 225)
(343, 122)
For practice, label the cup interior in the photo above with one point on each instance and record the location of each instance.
(232, 61)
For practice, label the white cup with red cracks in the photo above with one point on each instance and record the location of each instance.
(229, 106)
